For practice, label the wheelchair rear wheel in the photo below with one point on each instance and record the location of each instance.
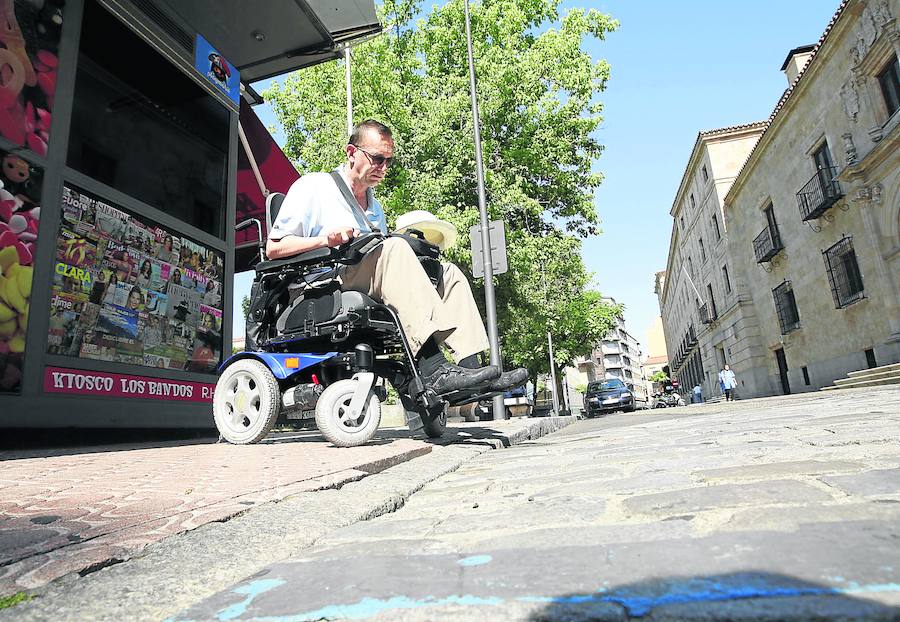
(246, 402)
(335, 421)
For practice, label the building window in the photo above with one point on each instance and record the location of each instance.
(681, 219)
(786, 306)
(715, 222)
(712, 301)
(690, 264)
(843, 273)
(693, 202)
(805, 375)
(705, 173)
(726, 279)
(702, 251)
(889, 79)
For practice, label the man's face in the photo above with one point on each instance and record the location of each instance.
(362, 158)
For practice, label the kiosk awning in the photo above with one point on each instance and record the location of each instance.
(277, 174)
(265, 39)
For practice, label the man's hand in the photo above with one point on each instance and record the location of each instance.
(339, 235)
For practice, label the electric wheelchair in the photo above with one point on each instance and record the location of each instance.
(314, 351)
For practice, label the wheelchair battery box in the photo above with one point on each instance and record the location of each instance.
(316, 305)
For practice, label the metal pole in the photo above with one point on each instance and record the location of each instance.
(553, 374)
(490, 302)
(349, 89)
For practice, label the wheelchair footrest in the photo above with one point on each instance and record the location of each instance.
(458, 398)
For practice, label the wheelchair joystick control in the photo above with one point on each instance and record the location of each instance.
(365, 357)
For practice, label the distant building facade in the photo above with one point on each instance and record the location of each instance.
(813, 218)
(618, 355)
(805, 286)
(704, 318)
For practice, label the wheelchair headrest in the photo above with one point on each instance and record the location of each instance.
(273, 206)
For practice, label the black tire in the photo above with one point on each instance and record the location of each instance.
(331, 419)
(435, 425)
(246, 402)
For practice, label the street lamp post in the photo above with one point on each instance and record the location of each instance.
(490, 302)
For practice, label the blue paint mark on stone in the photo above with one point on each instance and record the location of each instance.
(251, 590)
(475, 560)
(369, 607)
(637, 601)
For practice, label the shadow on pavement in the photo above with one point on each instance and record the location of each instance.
(733, 597)
(19, 443)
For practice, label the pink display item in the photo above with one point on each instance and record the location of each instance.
(28, 70)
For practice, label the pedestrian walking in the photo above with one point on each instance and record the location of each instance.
(728, 382)
(698, 394)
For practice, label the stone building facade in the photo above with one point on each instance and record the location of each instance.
(813, 217)
(705, 315)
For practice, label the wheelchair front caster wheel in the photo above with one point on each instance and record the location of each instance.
(340, 426)
(246, 402)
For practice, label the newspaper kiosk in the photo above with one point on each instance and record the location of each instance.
(119, 141)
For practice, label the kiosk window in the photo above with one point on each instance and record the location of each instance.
(143, 127)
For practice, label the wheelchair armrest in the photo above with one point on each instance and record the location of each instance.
(316, 255)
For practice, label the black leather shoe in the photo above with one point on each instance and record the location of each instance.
(448, 378)
(510, 379)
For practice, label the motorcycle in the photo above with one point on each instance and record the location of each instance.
(669, 397)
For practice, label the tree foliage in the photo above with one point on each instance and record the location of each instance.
(659, 376)
(537, 92)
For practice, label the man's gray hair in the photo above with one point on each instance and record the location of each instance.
(369, 124)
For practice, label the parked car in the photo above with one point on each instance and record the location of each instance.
(606, 396)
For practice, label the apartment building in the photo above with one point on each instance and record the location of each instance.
(705, 319)
(813, 218)
(618, 355)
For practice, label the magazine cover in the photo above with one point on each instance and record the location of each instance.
(111, 223)
(183, 305)
(160, 276)
(139, 238)
(155, 302)
(118, 322)
(74, 249)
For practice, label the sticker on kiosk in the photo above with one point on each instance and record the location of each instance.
(220, 73)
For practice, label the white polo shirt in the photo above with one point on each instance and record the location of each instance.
(315, 204)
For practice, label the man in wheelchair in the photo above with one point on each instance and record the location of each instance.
(323, 210)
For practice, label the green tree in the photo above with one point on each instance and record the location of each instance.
(245, 306)
(537, 93)
(659, 376)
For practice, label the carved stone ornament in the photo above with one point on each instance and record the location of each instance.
(850, 99)
(862, 194)
(849, 148)
(866, 35)
(876, 194)
(881, 13)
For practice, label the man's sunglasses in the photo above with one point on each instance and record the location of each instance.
(376, 159)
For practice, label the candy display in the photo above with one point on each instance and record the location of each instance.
(20, 213)
(29, 44)
(128, 291)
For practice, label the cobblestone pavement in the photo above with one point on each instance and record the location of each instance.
(777, 509)
(73, 510)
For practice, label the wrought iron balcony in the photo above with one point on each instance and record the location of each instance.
(819, 194)
(767, 244)
(708, 313)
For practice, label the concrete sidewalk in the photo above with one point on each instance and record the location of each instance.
(73, 511)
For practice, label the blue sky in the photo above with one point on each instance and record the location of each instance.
(677, 68)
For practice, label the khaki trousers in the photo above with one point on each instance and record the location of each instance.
(392, 274)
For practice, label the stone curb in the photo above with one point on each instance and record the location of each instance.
(172, 574)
